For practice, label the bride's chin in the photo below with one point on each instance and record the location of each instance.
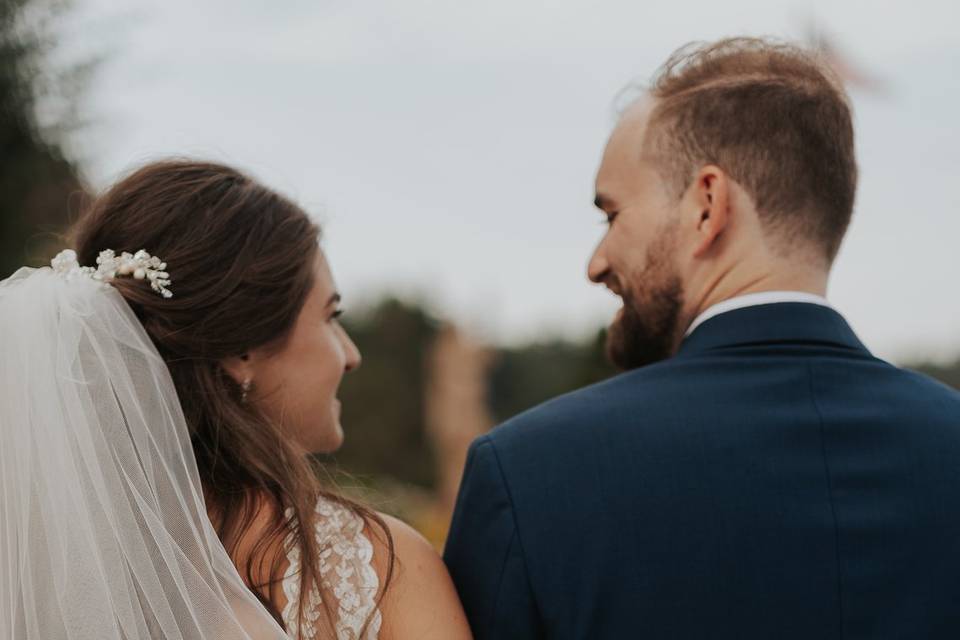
(328, 440)
(336, 436)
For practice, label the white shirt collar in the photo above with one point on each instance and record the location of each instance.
(752, 299)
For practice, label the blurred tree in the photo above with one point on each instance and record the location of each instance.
(947, 374)
(384, 400)
(36, 178)
(526, 376)
(595, 366)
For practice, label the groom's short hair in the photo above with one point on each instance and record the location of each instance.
(775, 118)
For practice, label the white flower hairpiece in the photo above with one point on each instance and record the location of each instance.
(141, 265)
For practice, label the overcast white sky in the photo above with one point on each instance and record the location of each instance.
(449, 148)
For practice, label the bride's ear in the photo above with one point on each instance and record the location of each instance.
(239, 368)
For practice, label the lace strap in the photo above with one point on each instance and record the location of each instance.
(346, 571)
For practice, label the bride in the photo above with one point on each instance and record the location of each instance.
(236, 312)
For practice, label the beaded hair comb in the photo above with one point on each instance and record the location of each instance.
(141, 265)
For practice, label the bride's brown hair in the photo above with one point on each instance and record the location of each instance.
(241, 258)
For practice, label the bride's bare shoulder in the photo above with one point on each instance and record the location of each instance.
(420, 601)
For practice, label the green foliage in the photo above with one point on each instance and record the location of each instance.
(36, 179)
(526, 376)
(947, 374)
(383, 401)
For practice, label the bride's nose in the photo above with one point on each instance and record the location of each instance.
(354, 359)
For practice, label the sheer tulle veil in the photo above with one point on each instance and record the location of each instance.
(103, 530)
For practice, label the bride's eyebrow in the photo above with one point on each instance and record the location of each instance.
(334, 299)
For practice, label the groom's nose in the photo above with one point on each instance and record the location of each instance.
(598, 268)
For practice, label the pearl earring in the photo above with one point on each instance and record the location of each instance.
(245, 387)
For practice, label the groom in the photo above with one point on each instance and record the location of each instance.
(755, 473)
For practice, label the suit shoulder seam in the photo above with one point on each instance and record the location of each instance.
(513, 514)
(830, 492)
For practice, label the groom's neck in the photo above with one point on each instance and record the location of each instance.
(743, 279)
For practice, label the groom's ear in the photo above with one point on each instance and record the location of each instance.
(239, 368)
(711, 201)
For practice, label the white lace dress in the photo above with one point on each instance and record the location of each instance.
(346, 572)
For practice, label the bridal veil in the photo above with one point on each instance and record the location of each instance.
(103, 530)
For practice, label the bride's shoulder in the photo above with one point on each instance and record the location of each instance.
(386, 535)
(389, 582)
(397, 553)
(420, 600)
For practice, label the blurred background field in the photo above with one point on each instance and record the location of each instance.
(449, 156)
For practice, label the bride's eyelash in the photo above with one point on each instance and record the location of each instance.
(337, 314)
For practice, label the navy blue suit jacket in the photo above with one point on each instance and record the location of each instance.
(772, 480)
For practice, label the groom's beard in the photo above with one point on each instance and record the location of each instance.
(645, 331)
